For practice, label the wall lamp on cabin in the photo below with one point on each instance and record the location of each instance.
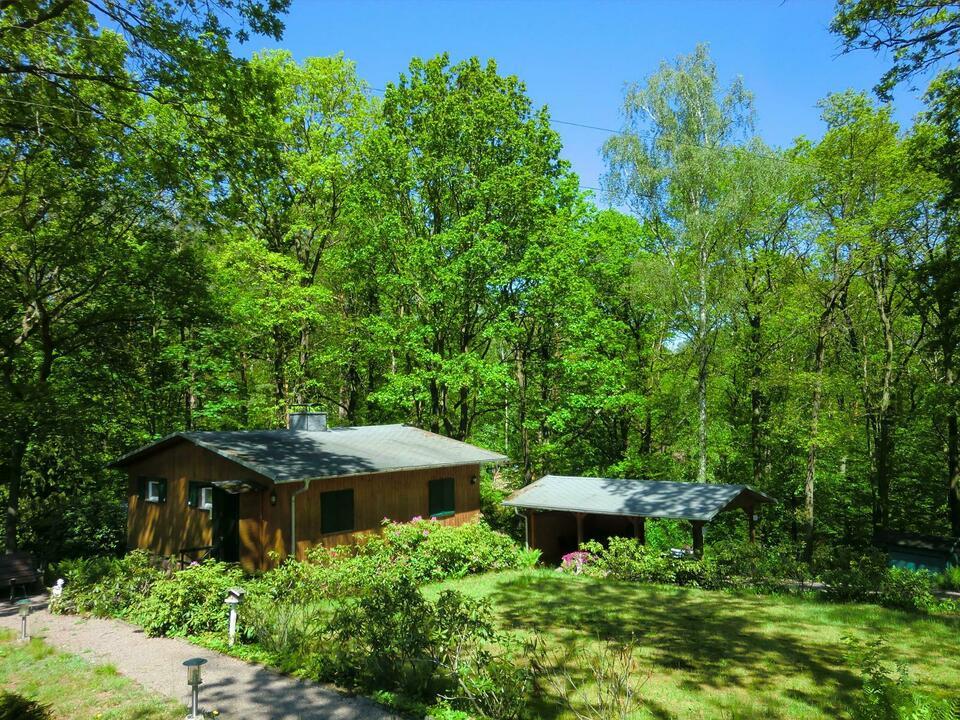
(473, 479)
(194, 680)
(273, 497)
(23, 610)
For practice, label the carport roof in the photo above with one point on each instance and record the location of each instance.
(636, 498)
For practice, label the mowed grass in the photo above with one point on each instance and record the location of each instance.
(74, 688)
(715, 654)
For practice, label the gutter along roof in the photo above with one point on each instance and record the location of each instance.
(635, 498)
(294, 455)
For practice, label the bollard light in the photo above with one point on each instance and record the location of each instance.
(232, 601)
(23, 609)
(194, 681)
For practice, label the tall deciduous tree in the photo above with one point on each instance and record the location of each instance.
(672, 166)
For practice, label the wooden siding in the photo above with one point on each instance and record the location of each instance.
(398, 496)
(265, 527)
(165, 528)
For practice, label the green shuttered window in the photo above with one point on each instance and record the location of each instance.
(153, 489)
(442, 497)
(336, 511)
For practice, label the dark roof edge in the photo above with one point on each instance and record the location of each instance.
(167, 440)
(147, 449)
(510, 503)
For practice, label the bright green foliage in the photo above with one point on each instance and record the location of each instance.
(917, 36)
(105, 586)
(190, 601)
(887, 692)
(395, 639)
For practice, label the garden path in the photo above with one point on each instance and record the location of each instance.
(234, 688)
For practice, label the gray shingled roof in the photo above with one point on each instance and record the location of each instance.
(289, 455)
(641, 498)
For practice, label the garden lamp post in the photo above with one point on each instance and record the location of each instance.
(194, 681)
(234, 595)
(23, 609)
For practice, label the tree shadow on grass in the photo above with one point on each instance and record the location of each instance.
(708, 641)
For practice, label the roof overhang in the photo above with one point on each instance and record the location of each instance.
(693, 501)
(280, 479)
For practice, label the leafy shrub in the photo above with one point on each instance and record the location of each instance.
(427, 550)
(617, 683)
(493, 491)
(751, 565)
(289, 632)
(906, 589)
(297, 583)
(627, 559)
(949, 579)
(434, 551)
(528, 558)
(851, 576)
(17, 707)
(887, 692)
(190, 601)
(394, 639)
(105, 586)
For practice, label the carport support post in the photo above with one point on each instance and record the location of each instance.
(580, 517)
(752, 523)
(640, 530)
(697, 538)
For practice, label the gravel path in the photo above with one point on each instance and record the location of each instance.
(235, 688)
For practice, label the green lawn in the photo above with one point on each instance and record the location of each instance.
(718, 655)
(75, 689)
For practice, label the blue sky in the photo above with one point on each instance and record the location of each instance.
(575, 57)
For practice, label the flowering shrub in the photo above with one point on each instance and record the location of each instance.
(575, 562)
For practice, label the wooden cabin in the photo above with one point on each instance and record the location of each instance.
(242, 496)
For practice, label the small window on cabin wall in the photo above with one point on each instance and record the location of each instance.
(442, 497)
(200, 496)
(336, 511)
(153, 490)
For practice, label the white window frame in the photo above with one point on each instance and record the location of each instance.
(205, 500)
(153, 491)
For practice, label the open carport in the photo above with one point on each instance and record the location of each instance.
(563, 511)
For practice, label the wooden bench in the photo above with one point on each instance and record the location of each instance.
(19, 568)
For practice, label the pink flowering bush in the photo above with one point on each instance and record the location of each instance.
(575, 562)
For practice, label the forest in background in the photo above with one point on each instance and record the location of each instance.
(195, 241)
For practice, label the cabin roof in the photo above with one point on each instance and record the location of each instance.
(293, 455)
(636, 498)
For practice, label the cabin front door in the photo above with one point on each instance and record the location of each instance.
(226, 525)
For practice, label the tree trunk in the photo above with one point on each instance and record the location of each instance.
(757, 404)
(810, 479)
(953, 473)
(883, 450)
(704, 355)
(14, 479)
(279, 375)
